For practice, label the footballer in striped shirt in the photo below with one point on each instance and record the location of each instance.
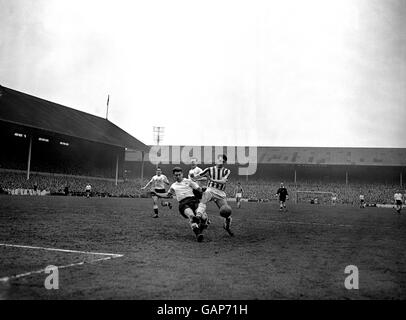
(217, 177)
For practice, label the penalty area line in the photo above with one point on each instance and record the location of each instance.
(106, 256)
(61, 250)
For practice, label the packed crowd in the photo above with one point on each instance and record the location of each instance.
(69, 185)
(253, 189)
(346, 194)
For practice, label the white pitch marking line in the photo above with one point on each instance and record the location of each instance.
(5, 279)
(62, 250)
(109, 256)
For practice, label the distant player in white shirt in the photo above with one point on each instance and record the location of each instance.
(183, 189)
(193, 172)
(88, 190)
(239, 192)
(158, 183)
(362, 200)
(334, 199)
(398, 201)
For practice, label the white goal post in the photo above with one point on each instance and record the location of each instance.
(316, 197)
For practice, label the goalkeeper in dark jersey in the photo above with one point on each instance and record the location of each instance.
(282, 193)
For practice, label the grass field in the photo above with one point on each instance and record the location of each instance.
(298, 255)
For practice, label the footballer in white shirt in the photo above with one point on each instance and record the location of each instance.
(362, 200)
(398, 201)
(334, 199)
(182, 189)
(158, 183)
(88, 190)
(194, 170)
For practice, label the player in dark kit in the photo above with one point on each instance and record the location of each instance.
(239, 191)
(282, 193)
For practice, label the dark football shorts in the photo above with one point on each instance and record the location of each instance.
(283, 199)
(189, 202)
(398, 202)
(197, 194)
(159, 190)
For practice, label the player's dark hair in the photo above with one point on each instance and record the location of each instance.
(224, 157)
(176, 169)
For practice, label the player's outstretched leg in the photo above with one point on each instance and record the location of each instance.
(225, 212)
(155, 206)
(280, 205)
(204, 220)
(194, 224)
(201, 210)
(227, 225)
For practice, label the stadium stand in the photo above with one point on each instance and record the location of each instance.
(42, 136)
(333, 156)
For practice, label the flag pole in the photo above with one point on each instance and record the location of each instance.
(107, 111)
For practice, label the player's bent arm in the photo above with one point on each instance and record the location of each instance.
(202, 174)
(166, 195)
(146, 186)
(195, 178)
(224, 180)
(195, 186)
(201, 179)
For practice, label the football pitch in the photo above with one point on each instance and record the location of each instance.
(111, 248)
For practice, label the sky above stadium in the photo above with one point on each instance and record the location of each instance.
(256, 73)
